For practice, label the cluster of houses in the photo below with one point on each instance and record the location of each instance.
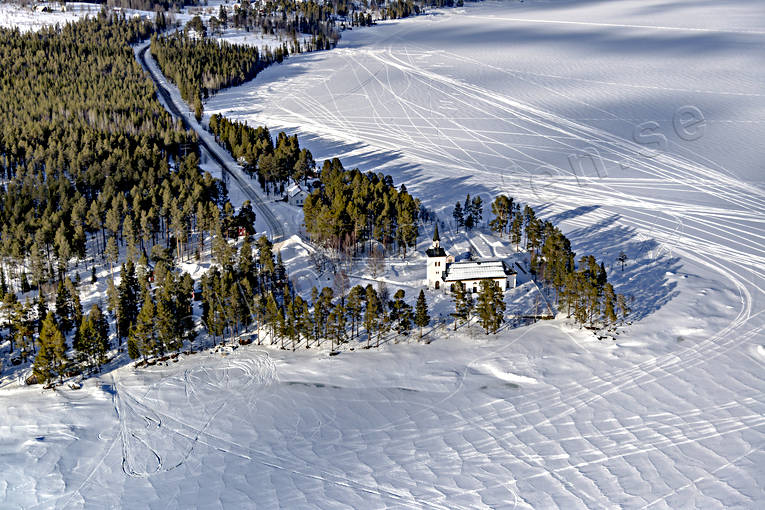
(443, 272)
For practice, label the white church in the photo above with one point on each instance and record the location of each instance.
(444, 272)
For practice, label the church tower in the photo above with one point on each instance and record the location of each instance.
(436, 262)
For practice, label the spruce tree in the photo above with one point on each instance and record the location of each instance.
(421, 317)
(459, 218)
(143, 332)
(401, 314)
(371, 312)
(127, 302)
(485, 305)
(609, 298)
(51, 358)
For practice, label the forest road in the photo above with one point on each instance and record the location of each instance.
(274, 225)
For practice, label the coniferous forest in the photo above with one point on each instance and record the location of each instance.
(86, 149)
(202, 67)
(91, 163)
(92, 166)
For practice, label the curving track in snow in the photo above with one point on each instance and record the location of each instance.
(458, 120)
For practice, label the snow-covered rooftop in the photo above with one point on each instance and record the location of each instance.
(475, 270)
(294, 190)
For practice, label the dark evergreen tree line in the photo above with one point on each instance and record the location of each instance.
(253, 288)
(273, 163)
(201, 67)
(87, 152)
(349, 208)
(582, 288)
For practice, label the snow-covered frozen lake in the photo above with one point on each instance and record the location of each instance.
(539, 100)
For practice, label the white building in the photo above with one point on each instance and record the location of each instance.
(437, 260)
(296, 195)
(472, 272)
(444, 272)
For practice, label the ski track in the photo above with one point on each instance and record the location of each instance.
(580, 443)
(718, 237)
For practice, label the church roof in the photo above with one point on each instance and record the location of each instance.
(476, 270)
(436, 252)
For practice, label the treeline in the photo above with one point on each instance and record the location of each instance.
(253, 288)
(582, 288)
(286, 17)
(151, 5)
(200, 67)
(274, 164)
(87, 150)
(156, 318)
(489, 308)
(349, 208)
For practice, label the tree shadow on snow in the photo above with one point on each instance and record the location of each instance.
(644, 280)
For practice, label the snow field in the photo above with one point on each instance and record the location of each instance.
(670, 414)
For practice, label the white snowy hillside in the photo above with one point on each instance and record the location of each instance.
(635, 126)
(35, 16)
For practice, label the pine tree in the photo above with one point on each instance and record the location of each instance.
(515, 229)
(143, 332)
(336, 321)
(421, 317)
(166, 319)
(355, 305)
(498, 301)
(305, 324)
(401, 314)
(502, 208)
(468, 212)
(602, 278)
(622, 259)
(272, 315)
(463, 304)
(609, 298)
(51, 358)
(93, 342)
(485, 305)
(292, 319)
(459, 218)
(621, 302)
(198, 109)
(64, 310)
(371, 312)
(476, 210)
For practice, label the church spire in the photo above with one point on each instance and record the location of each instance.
(436, 238)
